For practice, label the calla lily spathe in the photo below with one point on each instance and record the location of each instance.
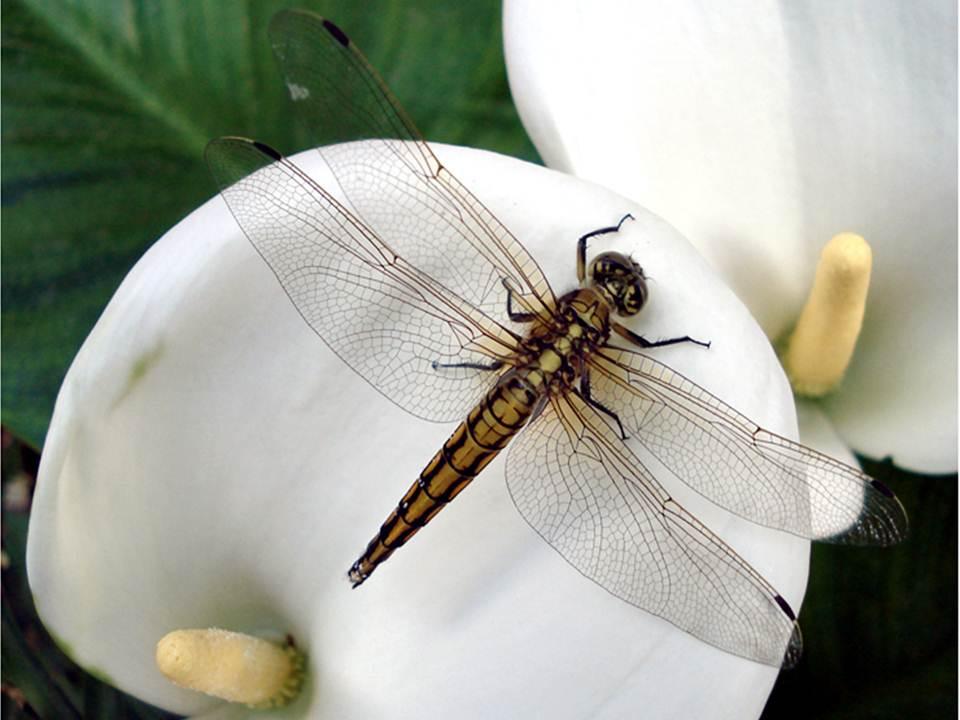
(761, 129)
(212, 464)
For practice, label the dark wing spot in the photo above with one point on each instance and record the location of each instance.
(267, 150)
(339, 35)
(881, 487)
(785, 606)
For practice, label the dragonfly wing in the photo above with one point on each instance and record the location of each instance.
(339, 96)
(593, 501)
(733, 462)
(387, 319)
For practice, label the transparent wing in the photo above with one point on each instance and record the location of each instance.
(388, 320)
(340, 97)
(593, 501)
(733, 462)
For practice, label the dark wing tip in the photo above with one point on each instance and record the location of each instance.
(236, 140)
(882, 522)
(881, 488)
(294, 21)
(785, 606)
(794, 651)
(231, 158)
(211, 147)
(218, 147)
(339, 35)
(267, 150)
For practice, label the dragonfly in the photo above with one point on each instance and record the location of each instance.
(422, 291)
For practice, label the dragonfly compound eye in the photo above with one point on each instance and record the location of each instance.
(621, 281)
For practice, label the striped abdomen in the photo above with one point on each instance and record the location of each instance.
(475, 442)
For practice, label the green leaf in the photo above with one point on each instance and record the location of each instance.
(21, 669)
(107, 108)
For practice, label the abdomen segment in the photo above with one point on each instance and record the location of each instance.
(471, 447)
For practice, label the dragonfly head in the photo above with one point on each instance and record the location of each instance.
(620, 280)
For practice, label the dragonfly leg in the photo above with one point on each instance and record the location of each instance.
(596, 404)
(582, 245)
(644, 343)
(493, 365)
(516, 316)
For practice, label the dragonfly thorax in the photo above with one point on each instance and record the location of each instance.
(555, 351)
(585, 316)
(620, 281)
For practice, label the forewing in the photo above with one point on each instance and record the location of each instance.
(387, 319)
(427, 216)
(733, 462)
(595, 503)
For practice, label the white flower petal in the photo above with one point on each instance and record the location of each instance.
(646, 76)
(818, 432)
(761, 129)
(911, 414)
(212, 463)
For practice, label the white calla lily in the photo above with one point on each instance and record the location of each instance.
(763, 129)
(211, 464)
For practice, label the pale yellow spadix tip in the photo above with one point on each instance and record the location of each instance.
(822, 343)
(231, 666)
